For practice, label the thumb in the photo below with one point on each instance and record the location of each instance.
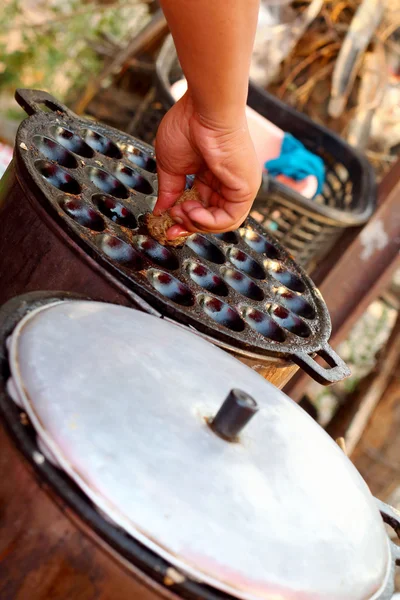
(170, 189)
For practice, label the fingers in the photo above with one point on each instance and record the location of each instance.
(194, 216)
(176, 231)
(170, 189)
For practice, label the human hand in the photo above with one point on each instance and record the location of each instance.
(223, 160)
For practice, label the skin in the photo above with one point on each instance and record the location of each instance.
(206, 133)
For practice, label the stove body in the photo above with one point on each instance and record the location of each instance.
(74, 545)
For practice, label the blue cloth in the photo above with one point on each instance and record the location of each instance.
(297, 162)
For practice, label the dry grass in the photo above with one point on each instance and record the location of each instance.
(305, 79)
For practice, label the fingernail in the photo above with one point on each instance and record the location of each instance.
(182, 233)
(178, 220)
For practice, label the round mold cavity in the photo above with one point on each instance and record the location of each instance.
(83, 214)
(101, 143)
(245, 263)
(206, 279)
(133, 180)
(263, 324)
(189, 182)
(107, 183)
(295, 303)
(284, 276)
(156, 253)
(55, 152)
(206, 249)
(221, 313)
(171, 288)
(289, 321)
(229, 237)
(259, 244)
(242, 284)
(141, 159)
(114, 210)
(120, 252)
(58, 177)
(69, 140)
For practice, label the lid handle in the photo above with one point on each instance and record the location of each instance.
(36, 101)
(336, 371)
(391, 517)
(234, 414)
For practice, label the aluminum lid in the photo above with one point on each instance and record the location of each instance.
(121, 399)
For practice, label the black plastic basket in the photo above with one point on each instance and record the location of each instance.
(308, 228)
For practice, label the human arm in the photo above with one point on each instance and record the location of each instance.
(206, 133)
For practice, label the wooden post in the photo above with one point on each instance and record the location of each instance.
(352, 418)
(377, 455)
(358, 274)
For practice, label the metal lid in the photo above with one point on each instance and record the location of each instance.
(121, 400)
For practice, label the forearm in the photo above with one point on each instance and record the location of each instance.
(214, 41)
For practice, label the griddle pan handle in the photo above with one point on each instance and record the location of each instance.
(336, 370)
(36, 101)
(391, 517)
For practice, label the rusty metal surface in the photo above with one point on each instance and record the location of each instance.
(363, 270)
(365, 266)
(44, 552)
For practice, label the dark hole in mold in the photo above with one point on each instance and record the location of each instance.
(107, 183)
(259, 244)
(230, 237)
(263, 324)
(208, 280)
(170, 287)
(155, 252)
(101, 143)
(206, 249)
(141, 159)
(221, 313)
(114, 210)
(289, 321)
(71, 141)
(189, 182)
(133, 180)
(296, 304)
(242, 284)
(83, 214)
(120, 252)
(58, 177)
(284, 276)
(55, 152)
(245, 263)
(289, 279)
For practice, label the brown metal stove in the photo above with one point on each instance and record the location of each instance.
(71, 218)
(179, 473)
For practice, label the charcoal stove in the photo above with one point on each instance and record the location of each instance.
(72, 218)
(195, 489)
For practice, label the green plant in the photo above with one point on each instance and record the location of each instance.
(55, 53)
